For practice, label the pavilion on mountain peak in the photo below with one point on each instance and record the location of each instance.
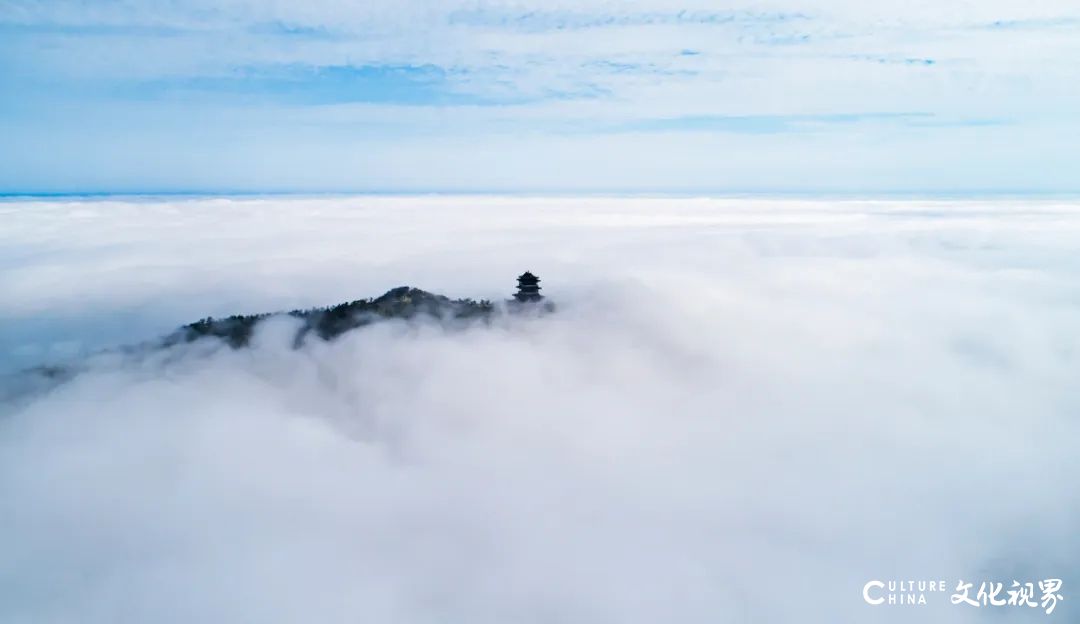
(528, 288)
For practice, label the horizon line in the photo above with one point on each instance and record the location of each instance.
(659, 193)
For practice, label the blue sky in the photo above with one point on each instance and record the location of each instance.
(327, 95)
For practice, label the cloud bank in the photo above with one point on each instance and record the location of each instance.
(743, 411)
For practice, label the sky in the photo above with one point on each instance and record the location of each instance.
(774, 96)
(742, 410)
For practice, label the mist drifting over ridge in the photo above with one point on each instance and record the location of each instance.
(743, 410)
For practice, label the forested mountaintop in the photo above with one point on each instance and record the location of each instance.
(403, 302)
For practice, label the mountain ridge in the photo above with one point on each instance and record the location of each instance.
(402, 302)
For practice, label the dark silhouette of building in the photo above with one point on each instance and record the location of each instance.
(528, 288)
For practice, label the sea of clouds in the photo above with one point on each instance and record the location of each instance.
(743, 410)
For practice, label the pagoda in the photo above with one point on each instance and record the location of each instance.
(528, 288)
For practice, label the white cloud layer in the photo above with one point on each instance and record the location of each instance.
(743, 410)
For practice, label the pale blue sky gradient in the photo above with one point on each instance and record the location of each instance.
(325, 95)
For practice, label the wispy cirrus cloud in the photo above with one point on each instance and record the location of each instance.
(592, 64)
(755, 124)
